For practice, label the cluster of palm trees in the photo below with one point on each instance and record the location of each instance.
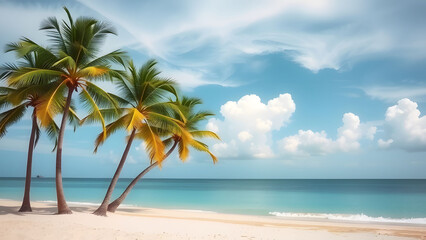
(148, 106)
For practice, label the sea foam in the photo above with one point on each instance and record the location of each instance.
(349, 217)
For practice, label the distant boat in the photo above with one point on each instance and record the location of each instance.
(39, 176)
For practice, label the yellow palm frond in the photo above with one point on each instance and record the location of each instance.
(136, 119)
(94, 71)
(203, 148)
(50, 105)
(154, 144)
(183, 150)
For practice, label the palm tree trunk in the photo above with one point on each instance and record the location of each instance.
(26, 205)
(101, 211)
(62, 203)
(114, 205)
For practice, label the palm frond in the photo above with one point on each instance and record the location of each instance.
(7, 69)
(168, 141)
(37, 133)
(66, 61)
(110, 129)
(116, 56)
(125, 90)
(30, 76)
(51, 104)
(136, 119)
(73, 119)
(166, 122)
(120, 101)
(183, 150)
(108, 114)
(52, 131)
(11, 116)
(94, 71)
(95, 111)
(204, 134)
(154, 145)
(54, 32)
(101, 98)
(203, 148)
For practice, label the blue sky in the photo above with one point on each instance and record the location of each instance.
(300, 89)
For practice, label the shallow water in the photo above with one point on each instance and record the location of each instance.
(339, 199)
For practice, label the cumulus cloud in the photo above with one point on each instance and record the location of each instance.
(404, 128)
(384, 144)
(247, 125)
(307, 143)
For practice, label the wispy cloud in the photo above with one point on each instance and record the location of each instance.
(201, 38)
(205, 40)
(394, 93)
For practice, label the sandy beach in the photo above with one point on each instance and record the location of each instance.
(147, 223)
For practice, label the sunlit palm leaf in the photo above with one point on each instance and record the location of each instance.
(51, 104)
(94, 71)
(153, 143)
(204, 134)
(203, 148)
(136, 119)
(183, 150)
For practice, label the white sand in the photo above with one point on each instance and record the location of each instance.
(143, 223)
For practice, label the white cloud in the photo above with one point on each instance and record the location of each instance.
(404, 128)
(244, 136)
(307, 143)
(247, 125)
(384, 144)
(208, 37)
(395, 93)
(200, 42)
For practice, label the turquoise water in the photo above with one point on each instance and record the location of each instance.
(397, 199)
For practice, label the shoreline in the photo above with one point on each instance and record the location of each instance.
(320, 217)
(153, 223)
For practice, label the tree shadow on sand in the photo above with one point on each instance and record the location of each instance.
(50, 209)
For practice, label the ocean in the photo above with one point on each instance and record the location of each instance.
(352, 200)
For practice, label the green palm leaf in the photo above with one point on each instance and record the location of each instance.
(204, 134)
(10, 117)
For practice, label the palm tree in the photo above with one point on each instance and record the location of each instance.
(20, 99)
(183, 139)
(71, 66)
(142, 94)
(13, 115)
